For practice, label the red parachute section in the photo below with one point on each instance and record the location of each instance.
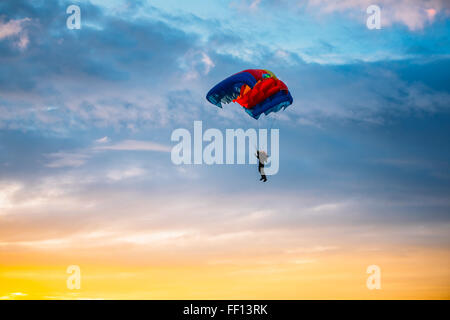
(262, 90)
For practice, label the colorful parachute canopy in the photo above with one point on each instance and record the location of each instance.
(256, 90)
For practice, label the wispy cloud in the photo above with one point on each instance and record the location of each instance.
(67, 159)
(79, 157)
(126, 173)
(105, 139)
(135, 145)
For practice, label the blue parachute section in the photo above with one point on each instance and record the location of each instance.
(275, 103)
(229, 89)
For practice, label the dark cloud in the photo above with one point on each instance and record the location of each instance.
(106, 48)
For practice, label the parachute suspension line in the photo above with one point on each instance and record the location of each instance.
(250, 124)
(268, 121)
(272, 123)
(255, 145)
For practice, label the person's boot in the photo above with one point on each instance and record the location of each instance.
(261, 179)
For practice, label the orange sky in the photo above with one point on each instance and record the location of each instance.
(134, 272)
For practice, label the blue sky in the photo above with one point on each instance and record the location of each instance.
(86, 117)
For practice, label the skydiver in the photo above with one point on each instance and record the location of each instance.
(262, 158)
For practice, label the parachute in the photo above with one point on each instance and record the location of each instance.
(256, 90)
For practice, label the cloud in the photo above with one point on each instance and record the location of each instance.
(246, 5)
(328, 207)
(14, 296)
(12, 27)
(207, 62)
(118, 175)
(367, 93)
(120, 91)
(67, 159)
(415, 14)
(196, 63)
(7, 191)
(303, 261)
(74, 159)
(15, 29)
(313, 249)
(105, 139)
(136, 145)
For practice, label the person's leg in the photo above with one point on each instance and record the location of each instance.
(263, 174)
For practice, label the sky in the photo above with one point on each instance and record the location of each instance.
(86, 176)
